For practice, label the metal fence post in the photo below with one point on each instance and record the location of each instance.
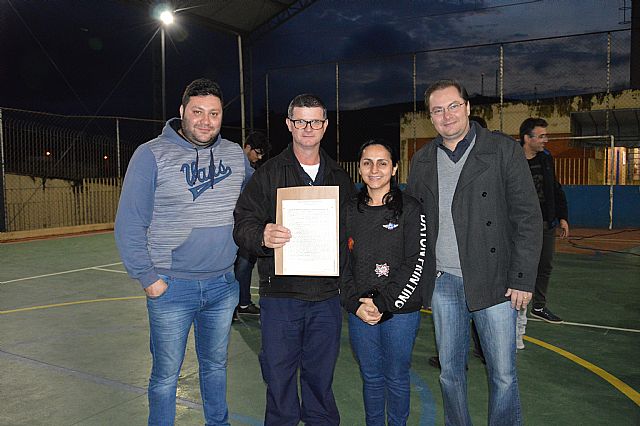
(3, 224)
(501, 87)
(337, 112)
(118, 163)
(266, 100)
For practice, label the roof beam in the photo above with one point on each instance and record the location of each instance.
(280, 18)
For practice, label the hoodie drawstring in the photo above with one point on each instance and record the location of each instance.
(211, 166)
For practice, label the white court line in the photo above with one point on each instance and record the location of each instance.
(59, 273)
(579, 324)
(97, 268)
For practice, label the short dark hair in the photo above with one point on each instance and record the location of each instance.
(258, 142)
(529, 124)
(306, 100)
(202, 87)
(443, 84)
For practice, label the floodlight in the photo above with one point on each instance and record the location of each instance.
(166, 17)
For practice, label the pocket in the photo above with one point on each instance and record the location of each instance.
(230, 277)
(167, 281)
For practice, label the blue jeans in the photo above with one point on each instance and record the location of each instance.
(300, 337)
(496, 327)
(384, 354)
(208, 305)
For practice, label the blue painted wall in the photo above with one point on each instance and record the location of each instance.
(589, 206)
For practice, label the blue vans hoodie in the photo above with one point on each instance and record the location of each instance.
(175, 215)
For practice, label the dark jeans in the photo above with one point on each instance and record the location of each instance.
(384, 354)
(243, 270)
(300, 338)
(544, 267)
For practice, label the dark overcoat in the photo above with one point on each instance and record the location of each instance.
(496, 215)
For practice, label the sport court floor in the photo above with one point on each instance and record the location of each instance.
(74, 344)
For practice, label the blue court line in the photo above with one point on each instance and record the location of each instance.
(428, 404)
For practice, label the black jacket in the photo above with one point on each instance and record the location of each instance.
(496, 216)
(257, 206)
(555, 202)
(385, 256)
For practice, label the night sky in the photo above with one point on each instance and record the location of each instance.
(102, 58)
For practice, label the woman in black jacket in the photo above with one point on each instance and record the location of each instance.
(379, 286)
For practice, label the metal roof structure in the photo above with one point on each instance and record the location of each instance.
(246, 18)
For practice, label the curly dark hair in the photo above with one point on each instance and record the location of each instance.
(393, 198)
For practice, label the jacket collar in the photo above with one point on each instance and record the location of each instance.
(477, 162)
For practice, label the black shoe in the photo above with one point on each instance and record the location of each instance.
(250, 309)
(434, 361)
(546, 315)
(479, 355)
(235, 318)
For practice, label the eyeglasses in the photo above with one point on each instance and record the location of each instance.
(542, 136)
(258, 152)
(302, 124)
(452, 108)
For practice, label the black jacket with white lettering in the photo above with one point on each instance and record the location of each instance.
(385, 256)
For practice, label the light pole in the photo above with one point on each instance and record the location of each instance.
(167, 19)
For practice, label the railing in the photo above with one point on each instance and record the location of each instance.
(572, 171)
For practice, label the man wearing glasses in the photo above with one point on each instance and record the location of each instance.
(256, 147)
(553, 203)
(484, 242)
(301, 315)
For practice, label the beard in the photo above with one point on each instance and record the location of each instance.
(191, 137)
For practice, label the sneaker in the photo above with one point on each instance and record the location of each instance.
(235, 318)
(519, 343)
(545, 315)
(250, 309)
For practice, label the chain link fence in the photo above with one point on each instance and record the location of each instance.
(61, 171)
(67, 171)
(569, 81)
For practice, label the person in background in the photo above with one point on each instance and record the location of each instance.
(555, 215)
(255, 148)
(300, 315)
(380, 283)
(483, 245)
(173, 229)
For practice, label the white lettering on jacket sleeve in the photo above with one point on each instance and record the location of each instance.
(414, 280)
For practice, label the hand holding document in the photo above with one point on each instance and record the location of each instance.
(311, 214)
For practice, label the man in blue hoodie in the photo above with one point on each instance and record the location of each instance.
(174, 233)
